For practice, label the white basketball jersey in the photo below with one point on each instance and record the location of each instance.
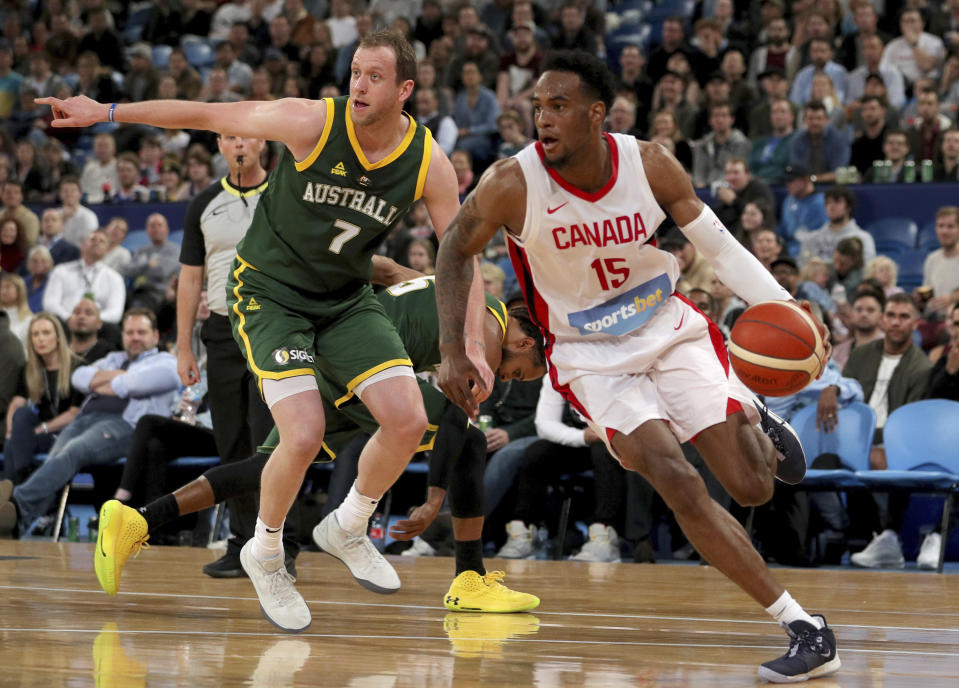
(583, 259)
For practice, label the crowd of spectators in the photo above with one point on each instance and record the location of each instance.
(811, 94)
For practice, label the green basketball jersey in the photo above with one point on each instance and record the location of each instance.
(411, 305)
(319, 221)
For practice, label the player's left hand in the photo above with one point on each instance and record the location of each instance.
(823, 332)
(457, 372)
(418, 521)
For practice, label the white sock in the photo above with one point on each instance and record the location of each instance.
(786, 610)
(355, 511)
(267, 542)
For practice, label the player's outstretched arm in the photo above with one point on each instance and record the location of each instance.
(498, 200)
(296, 122)
(387, 272)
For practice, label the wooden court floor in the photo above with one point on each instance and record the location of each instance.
(599, 625)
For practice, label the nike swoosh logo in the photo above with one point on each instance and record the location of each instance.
(680, 322)
(553, 210)
(221, 209)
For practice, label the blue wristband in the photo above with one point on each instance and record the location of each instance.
(110, 115)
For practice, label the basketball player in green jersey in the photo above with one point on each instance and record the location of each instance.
(299, 297)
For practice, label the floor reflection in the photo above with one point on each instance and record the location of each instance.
(112, 666)
(482, 635)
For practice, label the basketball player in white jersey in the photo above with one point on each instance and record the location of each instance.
(643, 366)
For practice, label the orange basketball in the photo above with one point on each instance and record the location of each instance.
(776, 349)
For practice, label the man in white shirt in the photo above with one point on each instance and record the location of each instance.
(342, 23)
(78, 220)
(872, 51)
(840, 202)
(88, 278)
(100, 173)
(118, 256)
(915, 53)
(443, 127)
(941, 269)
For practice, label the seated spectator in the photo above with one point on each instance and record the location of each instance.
(895, 147)
(141, 77)
(478, 47)
(420, 256)
(45, 401)
(52, 237)
(847, 269)
(14, 208)
(199, 172)
(572, 33)
(93, 81)
(39, 264)
(868, 146)
(189, 83)
(816, 270)
(622, 117)
(926, 132)
(820, 58)
(669, 96)
(695, 271)
(777, 53)
(941, 269)
(13, 300)
(13, 245)
(511, 131)
(717, 90)
(443, 127)
(89, 278)
(129, 189)
(944, 377)
(770, 154)
(727, 307)
(27, 170)
(721, 144)
(118, 256)
(864, 321)
(475, 111)
(741, 188)
(893, 372)
(13, 356)
(172, 187)
(566, 445)
(55, 166)
(85, 328)
(519, 70)
(767, 247)
(119, 389)
(462, 163)
(886, 272)
(821, 243)
(786, 271)
(946, 169)
(890, 77)
(493, 279)
(824, 91)
(633, 80)
(803, 210)
(153, 265)
(914, 53)
(666, 133)
(819, 148)
(99, 176)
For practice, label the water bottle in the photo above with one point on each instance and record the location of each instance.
(92, 525)
(909, 171)
(73, 529)
(926, 170)
(188, 405)
(378, 531)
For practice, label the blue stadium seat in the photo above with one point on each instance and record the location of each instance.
(851, 441)
(136, 238)
(176, 237)
(894, 235)
(669, 8)
(927, 239)
(161, 56)
(910, 268)
(199, 54)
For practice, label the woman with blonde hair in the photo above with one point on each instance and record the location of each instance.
(885, 270)
(45, 402)
(13, 299)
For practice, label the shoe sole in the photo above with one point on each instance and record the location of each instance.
(901, 564)
(108, 579)
(830, 667)
(781, 465)
(369, 585)
(267, 616)
(230, 573)
(487, 610)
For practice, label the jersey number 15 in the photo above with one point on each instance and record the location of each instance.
(611, 272)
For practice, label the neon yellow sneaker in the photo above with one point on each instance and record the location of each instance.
(471, 592)
(112, 667)
(122, 532)
(483, 635)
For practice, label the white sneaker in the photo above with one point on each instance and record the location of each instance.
(361, 557)
(928, 559)
(884, 552)
(520, 542)
(280, 603)
(420, 548)
(603, 545)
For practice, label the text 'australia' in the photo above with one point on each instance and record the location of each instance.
(622, 230)
(355, 199)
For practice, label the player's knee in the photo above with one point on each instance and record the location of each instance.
(752, 490)
(407, 427)
(303, 441)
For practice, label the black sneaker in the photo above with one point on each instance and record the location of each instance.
(228, 566)
(792, 459)
(812, 653)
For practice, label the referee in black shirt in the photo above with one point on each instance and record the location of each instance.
(215, 222)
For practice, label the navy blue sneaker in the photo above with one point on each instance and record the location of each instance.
(792, 459)
(812, 654)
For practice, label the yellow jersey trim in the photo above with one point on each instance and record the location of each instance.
(501, 317)
(243, 194)
(241, 329)
(424, 166)
(361, 156)
(318, 148)
(427, 446)
(351, 385)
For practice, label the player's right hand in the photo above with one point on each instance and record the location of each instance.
(187, 368)
(78, 111)
(457, 374)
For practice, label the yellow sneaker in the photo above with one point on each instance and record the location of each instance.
(122, 532)
(471, 592)
(482, 635)
(112, 668)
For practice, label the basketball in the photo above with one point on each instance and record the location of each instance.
(776, 349)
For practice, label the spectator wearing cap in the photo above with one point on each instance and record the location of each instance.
(770, 154)
(519, 70)
(696, 272)
(786, 271)
(142, 78)
(10, 82)
(778, 53)
(803, 209)
(840, 203)
(723, 142)
(775, 87)
(915, 53)
(872, 51)
(820, 57)
(819, 147)
(478, 49)
(718, 90)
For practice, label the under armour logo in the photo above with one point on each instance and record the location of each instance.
(452, 600)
